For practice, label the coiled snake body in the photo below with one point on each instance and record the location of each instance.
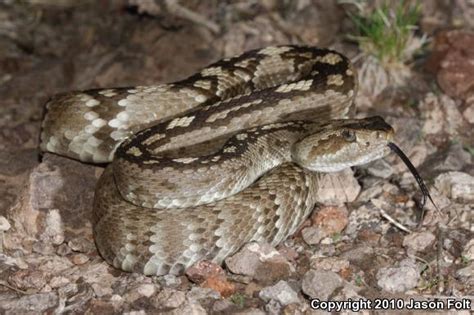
(226, 156)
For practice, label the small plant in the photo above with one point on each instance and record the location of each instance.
(464, 260)
(238, 299)
(429, 284)
(469, 149)
(387, 31)
(336, 237)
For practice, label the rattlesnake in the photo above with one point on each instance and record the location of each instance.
(229, 155)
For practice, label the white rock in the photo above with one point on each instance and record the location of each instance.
(466, 274)
(147, 289)
(468, 252)
(469, 113)
(191, 309)
(337, 188)
(280, 292)
(313, 235)
(255, 256)
(54, 229)
(320, 284)
(380, 168)
(4, 224)
(456, 185)
(419, 241)
(399, 279)
(441, 115)
(169, 298)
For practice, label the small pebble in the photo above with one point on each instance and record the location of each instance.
(79, 259)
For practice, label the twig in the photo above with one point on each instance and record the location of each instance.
(6, 285)
(393, 221)
(175, 8)
(285, 28)
(427, 263)
(378, 204)
(439, 255)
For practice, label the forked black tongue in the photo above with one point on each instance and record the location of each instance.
(419, 180)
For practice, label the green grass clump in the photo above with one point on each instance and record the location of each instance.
(238, 299)
(385, 31)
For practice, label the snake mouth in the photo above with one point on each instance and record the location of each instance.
(418, 178)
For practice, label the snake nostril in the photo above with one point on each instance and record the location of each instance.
(367, 144)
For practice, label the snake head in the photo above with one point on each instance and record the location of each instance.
(343, 143)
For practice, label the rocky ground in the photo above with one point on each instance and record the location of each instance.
(362, 243)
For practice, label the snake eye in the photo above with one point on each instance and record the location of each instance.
(349, 135)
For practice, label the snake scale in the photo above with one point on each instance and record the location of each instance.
(232, 154)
